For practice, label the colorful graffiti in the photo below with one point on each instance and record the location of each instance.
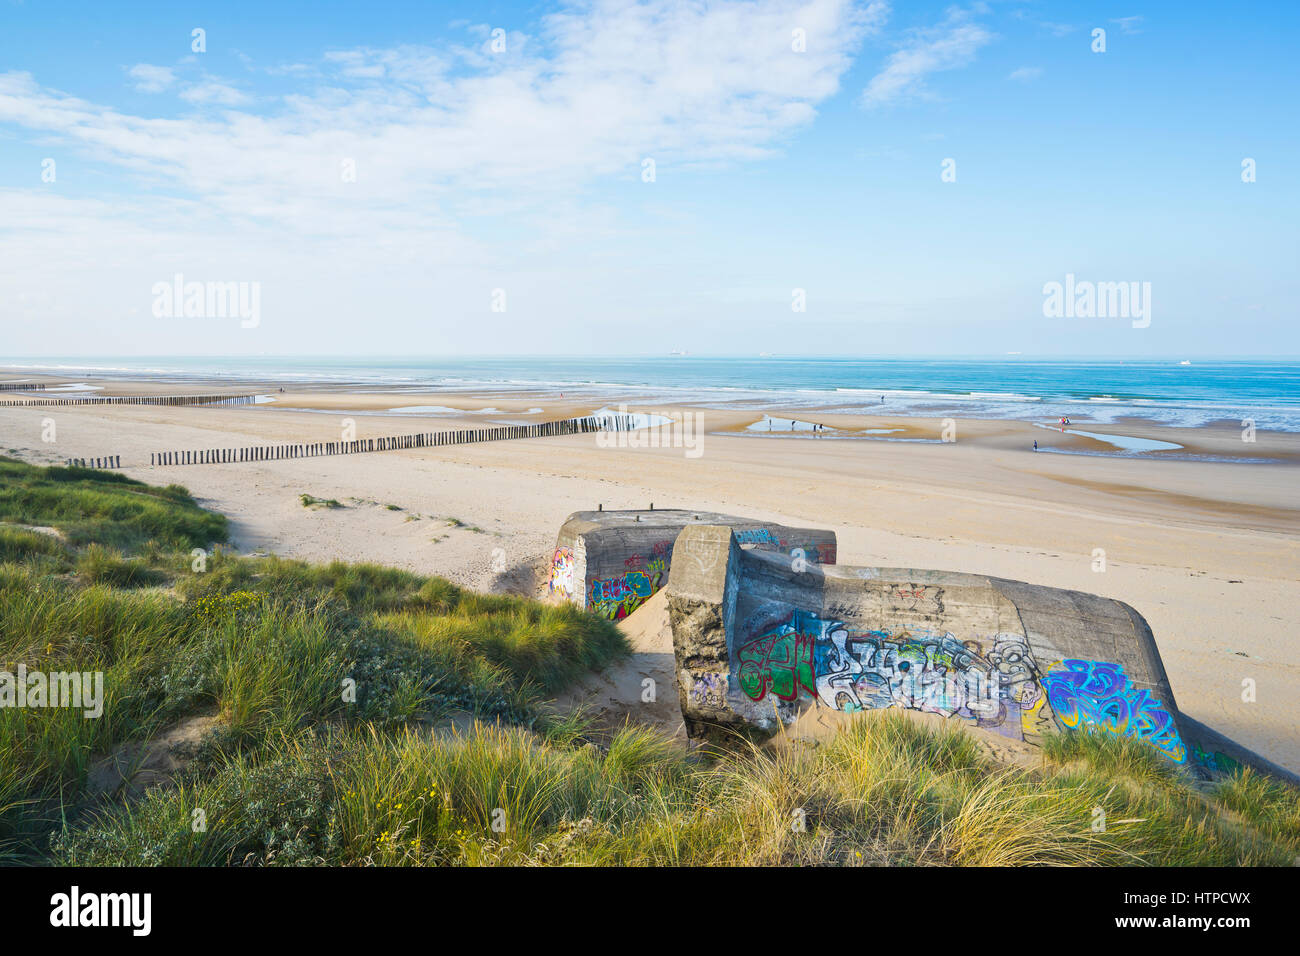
(810, 553)
(632, 583)
(759, 536)
(763, 539)
(617, 597)
(780, 660)
(1215, 761)
(1097, 695)
(561, 581)
(997, 688)
(992, 682)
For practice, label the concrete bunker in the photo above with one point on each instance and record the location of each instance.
(611, 562)
(757, 643)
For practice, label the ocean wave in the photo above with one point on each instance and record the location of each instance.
(1099, 392)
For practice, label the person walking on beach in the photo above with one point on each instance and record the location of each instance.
(1035, 444)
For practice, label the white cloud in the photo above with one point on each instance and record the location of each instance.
(212, 91)
(1025, 73)
(1129, 24)
(1055, 29)
(681, 83)
(951, 44)
(449, 144)
(151, 79)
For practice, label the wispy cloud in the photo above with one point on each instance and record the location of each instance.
(215, 92)
(151, 79)
(607, 85)
(1055, 29)
(1129, 24)
(951, 44)
(1025, 74)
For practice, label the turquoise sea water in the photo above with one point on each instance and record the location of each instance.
(1166, 392)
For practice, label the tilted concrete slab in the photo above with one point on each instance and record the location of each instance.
(611, 562)
(757, 642)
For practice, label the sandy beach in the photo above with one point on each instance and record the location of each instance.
(1206, 550)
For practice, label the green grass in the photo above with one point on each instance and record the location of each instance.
(310, 501)
(887, 791)
(275, 648)
(99, 565)
(1264, 804)
(327, 681)
(105, 508)
(17, 544)
(457, 523)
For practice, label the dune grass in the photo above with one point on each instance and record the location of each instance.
(327, 680)
(104, 507)
(19, 544)
(273, 647)
(887, 791)
(311, 501)
(1267, 805)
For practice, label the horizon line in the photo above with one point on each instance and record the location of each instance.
(1099, 356)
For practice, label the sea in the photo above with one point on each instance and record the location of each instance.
(1176, 392)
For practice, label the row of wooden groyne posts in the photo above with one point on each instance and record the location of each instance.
(566, 426)
(215, 456)
(126, 399)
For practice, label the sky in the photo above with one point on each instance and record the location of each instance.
(816, 177)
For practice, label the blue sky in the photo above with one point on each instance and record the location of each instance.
(522, 170)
